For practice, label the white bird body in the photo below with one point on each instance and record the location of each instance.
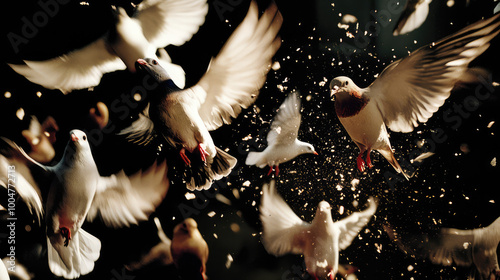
(232, 82)
(77, 193)
(409, 90)
(283, 144)
(156, 25)
(473, 247)
(413, 16)
(319, 241)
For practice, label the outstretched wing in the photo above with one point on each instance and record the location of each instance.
(79, 69)
(236, 75)
(171, 22)
(410, 90)
(413, 16)
(286, 123)
(122, 200)
(352, 225)
(281, 226)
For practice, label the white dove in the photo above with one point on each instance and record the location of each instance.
(319, 241)
(473, 247)
(77, 193)
(408, 91)
(157, 23)
(282, 141)
(414, 14)
(232, 82)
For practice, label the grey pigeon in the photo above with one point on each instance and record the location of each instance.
(232, 82)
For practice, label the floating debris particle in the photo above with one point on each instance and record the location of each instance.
(190, 196)
(211, 214)
(229, 261)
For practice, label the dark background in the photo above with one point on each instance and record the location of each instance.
(457, 187)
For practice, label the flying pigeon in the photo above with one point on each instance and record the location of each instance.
(156, 24)
(77, 193)
(473, 247)
(189, 251)
(40, 137)
(232, 82)
(319, 241)
(283, 144)
(408, 91)
(414, 14)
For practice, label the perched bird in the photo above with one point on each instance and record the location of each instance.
(232, 82)
(189, 251)
(473, 247)
(282, 141)
(319, 241)
(408, 91)
(414, 14)
(77, 193)
(156, 24)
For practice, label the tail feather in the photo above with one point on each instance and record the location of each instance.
(202, 175)
(77, 258)
(389, 156)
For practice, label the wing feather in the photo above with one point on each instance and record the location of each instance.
(352, 225)
(78, 69)
(411, 89)
(286, 123)
(237, 73)
(122, 200)
(281, 226)
(171, 22)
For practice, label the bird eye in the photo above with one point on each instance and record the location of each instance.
(84, 138)
(155, 62)
(346, 83)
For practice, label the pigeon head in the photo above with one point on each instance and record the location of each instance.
(151, 67)
(186, 227)
(324, 211)
(307, 148)
(342, 84)
(77, 147)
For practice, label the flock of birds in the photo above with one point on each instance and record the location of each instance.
(65, 195)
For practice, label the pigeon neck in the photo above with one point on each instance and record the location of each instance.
(168, 85)
(350, 104)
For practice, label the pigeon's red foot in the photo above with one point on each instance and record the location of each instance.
(274, 168)
(203, 153)
(368, 160)
(66, 234)
(270, 170)
(360, 162)
(184, 157)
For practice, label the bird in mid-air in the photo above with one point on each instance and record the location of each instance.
(184, 117)
(473, 247)
(319, 241)
(409, 90)
(155, 25)
(77, 193)
(282, 141)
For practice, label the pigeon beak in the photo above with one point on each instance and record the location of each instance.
(315, 153)
(74, 138)
(334, 90)
(142, 61)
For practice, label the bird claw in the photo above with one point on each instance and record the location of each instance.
(368, 160)
(66, 234)
(275, 168)
(184, 157)
(203, 153)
